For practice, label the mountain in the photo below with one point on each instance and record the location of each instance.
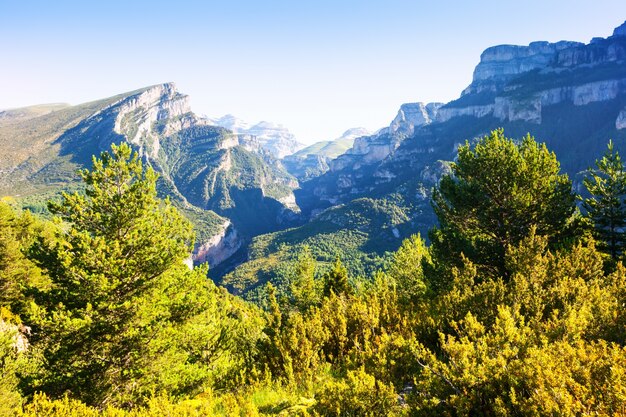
(313, 160)
(275, 138)
(334, 148)
(227, 184)
(570, 95)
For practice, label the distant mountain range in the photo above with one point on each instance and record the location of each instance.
(254, 192)
(314, 160)
(275, 138)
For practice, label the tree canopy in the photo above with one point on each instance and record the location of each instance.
(498, 191)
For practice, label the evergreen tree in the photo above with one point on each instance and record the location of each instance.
(303, 286)
(17, 272)
(336, 280)
(405, 267)
(119, 288)
(606, 207)
(499, 190)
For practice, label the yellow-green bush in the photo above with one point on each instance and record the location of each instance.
(359, 394)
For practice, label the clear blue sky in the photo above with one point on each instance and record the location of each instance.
(318, 67)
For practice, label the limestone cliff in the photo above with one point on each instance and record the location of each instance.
(515, 83)
(368, 150)
(219, 247)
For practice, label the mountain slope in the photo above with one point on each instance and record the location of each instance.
(226, 183)
(314, 160)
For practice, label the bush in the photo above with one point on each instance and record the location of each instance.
(359, 394)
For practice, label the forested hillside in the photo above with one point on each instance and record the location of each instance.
(516, 307)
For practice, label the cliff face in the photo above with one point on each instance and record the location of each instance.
(499, 64)
(515, 83)
(412, 115)
(219, 247)
(136, 116)
(368, 150)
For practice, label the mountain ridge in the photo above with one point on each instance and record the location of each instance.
(216, 177)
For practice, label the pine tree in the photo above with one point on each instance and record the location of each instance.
(606, 207)
(304, 288)
(336, 280)
(499, 190)
(119, 284)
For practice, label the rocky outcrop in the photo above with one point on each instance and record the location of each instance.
(18, 334)
(368, 150)
(306, 167)
(137, 115)
(515, 83)
(620, 30)
(511, 108)
(412, 115)
(447, 113)
(219, 247)
(503, 62)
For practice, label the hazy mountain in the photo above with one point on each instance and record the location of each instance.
(275, 138)
(313, 160)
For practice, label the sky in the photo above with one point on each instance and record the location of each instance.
(316, 67)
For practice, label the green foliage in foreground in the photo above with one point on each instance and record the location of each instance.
(120, 331)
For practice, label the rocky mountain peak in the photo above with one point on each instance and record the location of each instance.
(354, 133)
(137, 114)
(620, 30)
(412, 115)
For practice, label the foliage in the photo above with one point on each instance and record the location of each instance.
(359, 233)
(606, 207)
(12, 346)
(405, 268)
(121, 331)
(359, 394)
(499, 190)
(124, 315)
(336, 280)
(17, 273)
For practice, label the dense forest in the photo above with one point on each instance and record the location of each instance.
(514, 305)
